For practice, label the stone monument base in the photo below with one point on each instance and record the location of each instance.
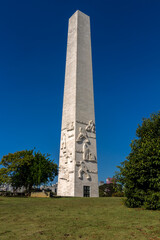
(40, 194)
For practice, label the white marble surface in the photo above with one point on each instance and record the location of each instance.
(78, 159)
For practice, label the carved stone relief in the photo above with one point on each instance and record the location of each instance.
(87, 155)
(83, 170)
(64, 170)
(82, 135)
(69, 156)
(64, 173)
(91, 127)
(66, 154)
(64, 146)
(81, 122)
(70, 126)
(79, 151)
(72, 135)
(63, 143)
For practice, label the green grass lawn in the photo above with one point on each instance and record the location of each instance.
(75, 218)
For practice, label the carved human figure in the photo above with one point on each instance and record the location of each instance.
(82, 135)
(64, 173)
(63, 143)
(83, 169)
(85, 151)
(69, 156)
(91, 126)
(87, 155)
(92, 157)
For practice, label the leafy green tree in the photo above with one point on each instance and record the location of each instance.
(111, 189)
(106, 190)
(140, 172)
(27, 168)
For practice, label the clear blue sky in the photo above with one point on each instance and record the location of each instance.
(126, 70)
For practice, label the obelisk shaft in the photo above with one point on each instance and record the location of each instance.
(78, 158)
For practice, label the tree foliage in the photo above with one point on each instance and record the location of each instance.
(140, 172)
(27, 168)
(110, 190)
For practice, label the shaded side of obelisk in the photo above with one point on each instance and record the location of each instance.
(78, 174)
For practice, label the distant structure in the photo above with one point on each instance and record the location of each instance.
(78, 174)
(110, 180)
(52, 188)
(6, 187)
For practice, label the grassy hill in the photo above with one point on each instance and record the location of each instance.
(75, 218)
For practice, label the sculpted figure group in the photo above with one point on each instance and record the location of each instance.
(66, 153)
(91, 126)
(87, 155)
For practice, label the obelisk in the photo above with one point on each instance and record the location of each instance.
(78, 174)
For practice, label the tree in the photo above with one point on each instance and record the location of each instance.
(140, 172)
(27, 168)
(106, 190)
(110, 190)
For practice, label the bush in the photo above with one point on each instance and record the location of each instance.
(133, 202)
(152, 201)
(108, 190)
(140, 172)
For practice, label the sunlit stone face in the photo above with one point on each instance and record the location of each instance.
(78, 174)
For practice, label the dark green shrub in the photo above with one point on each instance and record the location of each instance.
(140, 172)
(133, 202)
(152, 200)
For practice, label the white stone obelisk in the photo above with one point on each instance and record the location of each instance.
(78, 174)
